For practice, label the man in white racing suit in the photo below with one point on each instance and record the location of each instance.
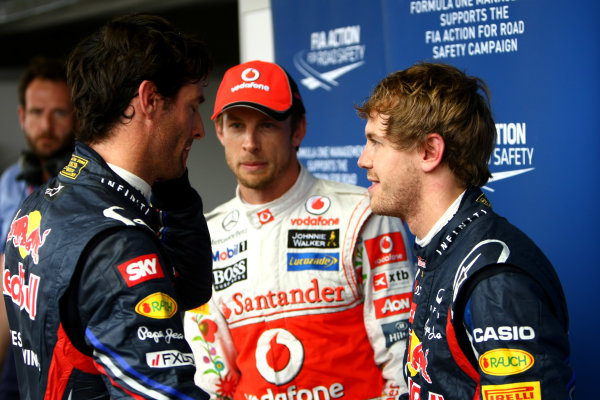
(311, 290)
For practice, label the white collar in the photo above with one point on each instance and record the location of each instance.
(134, 180)
(447, 216)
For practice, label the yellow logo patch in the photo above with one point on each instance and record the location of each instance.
(74, 167)
(521, 390)
(203, 310)
(501, 362)
(158, 306)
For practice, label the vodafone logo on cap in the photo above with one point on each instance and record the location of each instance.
(250, 74)
(318, 205)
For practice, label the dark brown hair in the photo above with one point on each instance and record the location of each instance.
(105, 69)
(52, 69)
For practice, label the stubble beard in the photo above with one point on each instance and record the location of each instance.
(403, 202)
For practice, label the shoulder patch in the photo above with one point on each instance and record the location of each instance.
(74, 167)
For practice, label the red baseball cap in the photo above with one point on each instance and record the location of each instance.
(261, 85)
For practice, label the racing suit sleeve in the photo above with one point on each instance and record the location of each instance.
(519, 343)
(133, 326)
(214, 351)
(384, 261)
(184, 233)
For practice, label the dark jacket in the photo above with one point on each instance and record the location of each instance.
(95, 280)
(489, 318)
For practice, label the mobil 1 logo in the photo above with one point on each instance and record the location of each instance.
(225, 277)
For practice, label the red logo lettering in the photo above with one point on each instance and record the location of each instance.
(385, 249)
(392, 305)
(141, 269)
(22, 294)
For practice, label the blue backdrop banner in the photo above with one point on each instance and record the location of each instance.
(541, 62)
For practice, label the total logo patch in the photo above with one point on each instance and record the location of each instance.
(318, 205)
(25, 235)
(265, 216)
(141, 269)
(516, 391)
(502, 362)
(279, 356)
(385, 249)
(158, 306)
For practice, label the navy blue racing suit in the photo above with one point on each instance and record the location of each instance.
(489, 317)
(95, 282)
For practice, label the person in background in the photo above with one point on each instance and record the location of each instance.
(101, 261)
(311, 291)
(489, 318)
(47, 120)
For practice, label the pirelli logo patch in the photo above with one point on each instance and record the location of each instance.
(521, 390)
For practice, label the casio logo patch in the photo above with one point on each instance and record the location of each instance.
(141, 269)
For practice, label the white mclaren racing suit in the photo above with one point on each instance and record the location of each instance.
(311, 298)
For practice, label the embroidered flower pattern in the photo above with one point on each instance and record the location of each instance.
(227, 383)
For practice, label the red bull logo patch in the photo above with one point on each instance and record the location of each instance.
(22, 294)
(25, 235)
(417, 358)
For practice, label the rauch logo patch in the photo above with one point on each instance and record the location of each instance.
(158, 306)
(501, 362)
